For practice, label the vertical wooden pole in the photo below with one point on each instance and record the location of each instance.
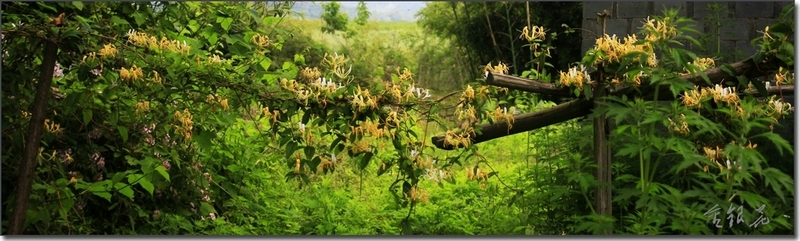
(35, 129)
(601, 149)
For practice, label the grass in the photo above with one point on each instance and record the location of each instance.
(395, 31)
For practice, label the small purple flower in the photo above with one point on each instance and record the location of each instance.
(95, 133)
(150, 141)
(58, 72)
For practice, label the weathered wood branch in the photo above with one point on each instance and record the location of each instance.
(747, 68)
(665, 94)
(525, 122)
(578, 108)
(519, 83)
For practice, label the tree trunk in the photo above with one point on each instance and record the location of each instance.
(28, 163)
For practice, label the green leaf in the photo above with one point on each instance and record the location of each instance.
(287, 65)
(786, 53)
(124, 189)
(203, 139)
(139, 18)
(193, 25)
(365, 160)
(239, 48)
(87, 116)
(163, 171)
(123, 132)
(525, 73)
(103, 194)
(213, 38)
(119, 21)
(133, 178)
(226, 23)
(514, 198)
(309, 152)
(147, 185)
(298, 58)
(206, 208)
(118, 177)
(265, 63)
(269, 20)
(101, 189)
(78, 5)
(290, 148)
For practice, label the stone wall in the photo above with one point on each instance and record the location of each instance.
(739, 26)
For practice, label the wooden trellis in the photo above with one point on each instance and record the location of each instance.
(582, 106)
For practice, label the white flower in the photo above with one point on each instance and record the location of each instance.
(414, 153)
(302, 126)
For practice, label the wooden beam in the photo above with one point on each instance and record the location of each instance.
(525, 122)
(665, 94)
(529, 85)
(747, 68)
(561, 113)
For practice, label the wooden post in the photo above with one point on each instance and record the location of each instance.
(35, 129)
(601, 147)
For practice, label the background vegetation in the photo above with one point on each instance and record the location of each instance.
(211, 118)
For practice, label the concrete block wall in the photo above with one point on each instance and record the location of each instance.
(739, 26)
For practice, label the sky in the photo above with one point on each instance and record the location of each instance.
(407, 8)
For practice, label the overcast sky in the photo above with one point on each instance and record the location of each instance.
(411, 7)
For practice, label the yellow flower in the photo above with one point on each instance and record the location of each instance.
(702, 64)
(156, 78)
(468, 94)
(499, 68)
(310, 74)
(406, 75)
(260, 40)
(185, 120)
(52, 126)
(142, 107)
(681, 127)
(108, 51)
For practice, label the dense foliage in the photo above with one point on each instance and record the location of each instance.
(218, 118)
